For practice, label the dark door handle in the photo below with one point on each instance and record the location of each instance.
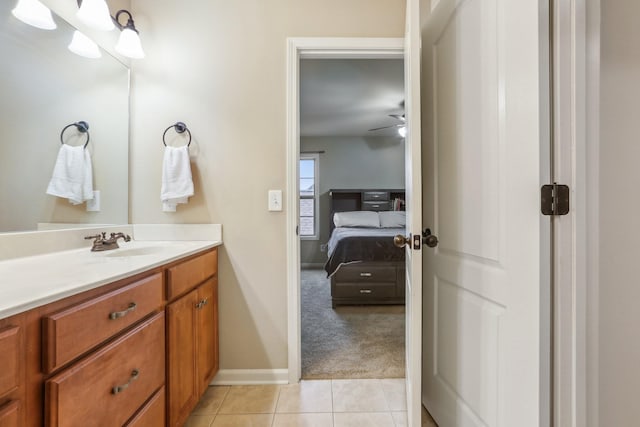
(429, 239)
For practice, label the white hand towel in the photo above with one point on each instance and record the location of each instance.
(177, 183)
(72, 176)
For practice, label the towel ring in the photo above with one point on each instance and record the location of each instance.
(82, 126)
(179, 127)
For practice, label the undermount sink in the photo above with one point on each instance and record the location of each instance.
(122, 252)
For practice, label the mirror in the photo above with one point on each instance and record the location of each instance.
(44, 88)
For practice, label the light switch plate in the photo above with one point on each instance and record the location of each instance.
(275, 200)
(94, 205)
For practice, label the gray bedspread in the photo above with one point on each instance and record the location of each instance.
(351, 245)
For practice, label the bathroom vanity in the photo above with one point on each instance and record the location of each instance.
(128, 338)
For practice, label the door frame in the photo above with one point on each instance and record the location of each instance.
(576, 30)
(297, 49)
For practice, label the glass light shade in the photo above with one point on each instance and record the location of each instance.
(129, 44)
(402, 131)
(95, 13)
(84, 46)
(34, 13)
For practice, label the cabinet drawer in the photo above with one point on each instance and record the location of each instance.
(71, 332)
(375, 195)
(10, 414)
(9, 358)
(152, 413)
(358, 273)
(364, 290)
(184, 277)
(109, 386)
(376, 206)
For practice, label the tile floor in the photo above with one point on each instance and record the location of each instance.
(317, 403)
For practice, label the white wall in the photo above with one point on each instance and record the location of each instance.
(619, 219)
(221, 67)
(351, 162)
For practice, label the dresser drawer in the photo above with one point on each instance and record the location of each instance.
(71, 332)
(109, 386)
(366, 273)
(376, 206)
(9, 358)
(186, 276)
(152, 413)
(375, 196)
(364, 290)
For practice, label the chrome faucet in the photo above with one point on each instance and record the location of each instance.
(101, 243)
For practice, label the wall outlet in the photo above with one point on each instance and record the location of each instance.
(94, 205)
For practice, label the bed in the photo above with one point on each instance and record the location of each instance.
(363, 264)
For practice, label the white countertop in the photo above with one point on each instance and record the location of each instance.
(33, 281)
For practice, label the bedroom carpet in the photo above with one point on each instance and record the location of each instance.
(348, 341)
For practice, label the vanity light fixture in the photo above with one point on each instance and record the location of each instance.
(402, 131)
(129, 44)
(34, 13)
(95, 13)
(84, 46)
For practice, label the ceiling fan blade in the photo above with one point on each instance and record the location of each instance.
(387, 127)
(398, 116)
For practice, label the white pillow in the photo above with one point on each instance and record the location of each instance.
(392, 219)
(356, 219)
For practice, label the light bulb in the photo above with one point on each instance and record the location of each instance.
(129, 44)
(84, 46)
(34, 13)
(402, 131)
(95, 13)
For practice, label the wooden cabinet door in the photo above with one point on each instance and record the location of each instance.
(207, 333)
(181, 350)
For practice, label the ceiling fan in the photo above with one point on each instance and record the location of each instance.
(402, 129)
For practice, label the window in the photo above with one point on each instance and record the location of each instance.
(309, 196)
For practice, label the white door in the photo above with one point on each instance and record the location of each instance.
(481, 161)
(413, 184)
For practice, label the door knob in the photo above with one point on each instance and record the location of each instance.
(400, 241)
(429, 239)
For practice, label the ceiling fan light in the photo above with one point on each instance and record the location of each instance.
(84, 46)
(95, 13)
(34, 13)
(402, 131)
(129, 44)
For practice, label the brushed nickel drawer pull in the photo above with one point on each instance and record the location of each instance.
(120, 388)
(365, 274)
(365, 291)
(119, 314)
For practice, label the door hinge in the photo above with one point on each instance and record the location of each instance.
(554, 199)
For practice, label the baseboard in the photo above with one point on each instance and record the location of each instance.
(251, 376)
(311, 265)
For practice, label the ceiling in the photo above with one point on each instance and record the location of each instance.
(347, 97)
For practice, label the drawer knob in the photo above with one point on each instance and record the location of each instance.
(120, 388)
(118, 314)
(365, 291)
(202, 303)
(365, 274)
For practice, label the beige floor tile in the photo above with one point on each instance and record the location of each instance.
(303, 420)
(400, 419)
(306, 396)
(427, 421)
(253, 420)
(211, 401)
(250, 399)
(358, 396)
(363, 419)
(199, 421)
(395, 393)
